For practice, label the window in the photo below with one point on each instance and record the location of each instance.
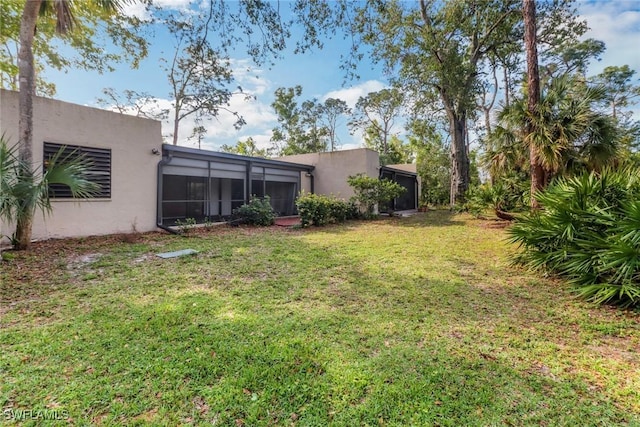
(99, 169)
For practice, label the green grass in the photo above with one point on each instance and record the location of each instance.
(412, 321)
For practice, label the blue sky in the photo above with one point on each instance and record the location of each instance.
(616, 22)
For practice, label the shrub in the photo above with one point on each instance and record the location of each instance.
(186, 225)
(371, 191)
(508, 195)
(320, 210)
(313, 209)
(342, 210)
(589, 232)
(257, 212)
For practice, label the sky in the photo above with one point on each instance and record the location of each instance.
(616, 22)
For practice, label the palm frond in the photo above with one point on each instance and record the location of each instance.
(589, 233)
(23, 192)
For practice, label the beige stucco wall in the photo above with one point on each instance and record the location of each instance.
(333, 168)
(133, 166)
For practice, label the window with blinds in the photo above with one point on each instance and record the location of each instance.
(99, 168)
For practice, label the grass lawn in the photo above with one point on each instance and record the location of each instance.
(414, 321)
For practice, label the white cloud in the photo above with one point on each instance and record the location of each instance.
(351, 94)
(249, 78)
(139, 9)
(220, 129)
(617, 23)
(262, 140)
(254, 112)
(254, 106)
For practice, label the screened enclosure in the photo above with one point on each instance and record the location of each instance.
(409, 199)
(206, 185)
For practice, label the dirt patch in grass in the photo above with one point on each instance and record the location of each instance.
(495, 224)
(287, 221)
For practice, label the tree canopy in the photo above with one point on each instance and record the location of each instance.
(101, 38)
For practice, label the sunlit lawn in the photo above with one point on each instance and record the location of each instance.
(413, 321)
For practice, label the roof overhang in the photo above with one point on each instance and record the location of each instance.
(194, 153)
(397, 171)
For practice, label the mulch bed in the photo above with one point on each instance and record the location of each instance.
(289, 221)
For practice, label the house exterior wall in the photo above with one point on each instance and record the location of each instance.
(333, 168)
(133, 166)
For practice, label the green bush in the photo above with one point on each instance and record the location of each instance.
(313, 209)
(319, 210)
(371, 191)
(508, 195)
(589, 232)
(257, 212)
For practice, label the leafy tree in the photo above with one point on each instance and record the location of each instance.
(572, 58)
(316, 133)
(101, 38)
(299, 130)
(199, 69)
(247, 147)
(434, 168)
(399, 152)
(620, 90)
(373, 191)
(198, 76)
(376, 114)
(22, 193)
(198, 133)
(435, 51)
(437, 48)
(330, 112)
(64, 15)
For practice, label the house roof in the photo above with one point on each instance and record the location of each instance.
(195, 153)
(397, 169)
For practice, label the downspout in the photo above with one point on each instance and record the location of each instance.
(417, 193)
(165, 160)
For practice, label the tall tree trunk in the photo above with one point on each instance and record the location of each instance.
(533, 96)
(507, 89)
(26, 75)
(487, 120)
(459, 157)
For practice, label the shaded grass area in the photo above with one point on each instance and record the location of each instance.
(405, 321)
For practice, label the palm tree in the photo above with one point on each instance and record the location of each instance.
(22, 193)
(569, 135)
(62, 10)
